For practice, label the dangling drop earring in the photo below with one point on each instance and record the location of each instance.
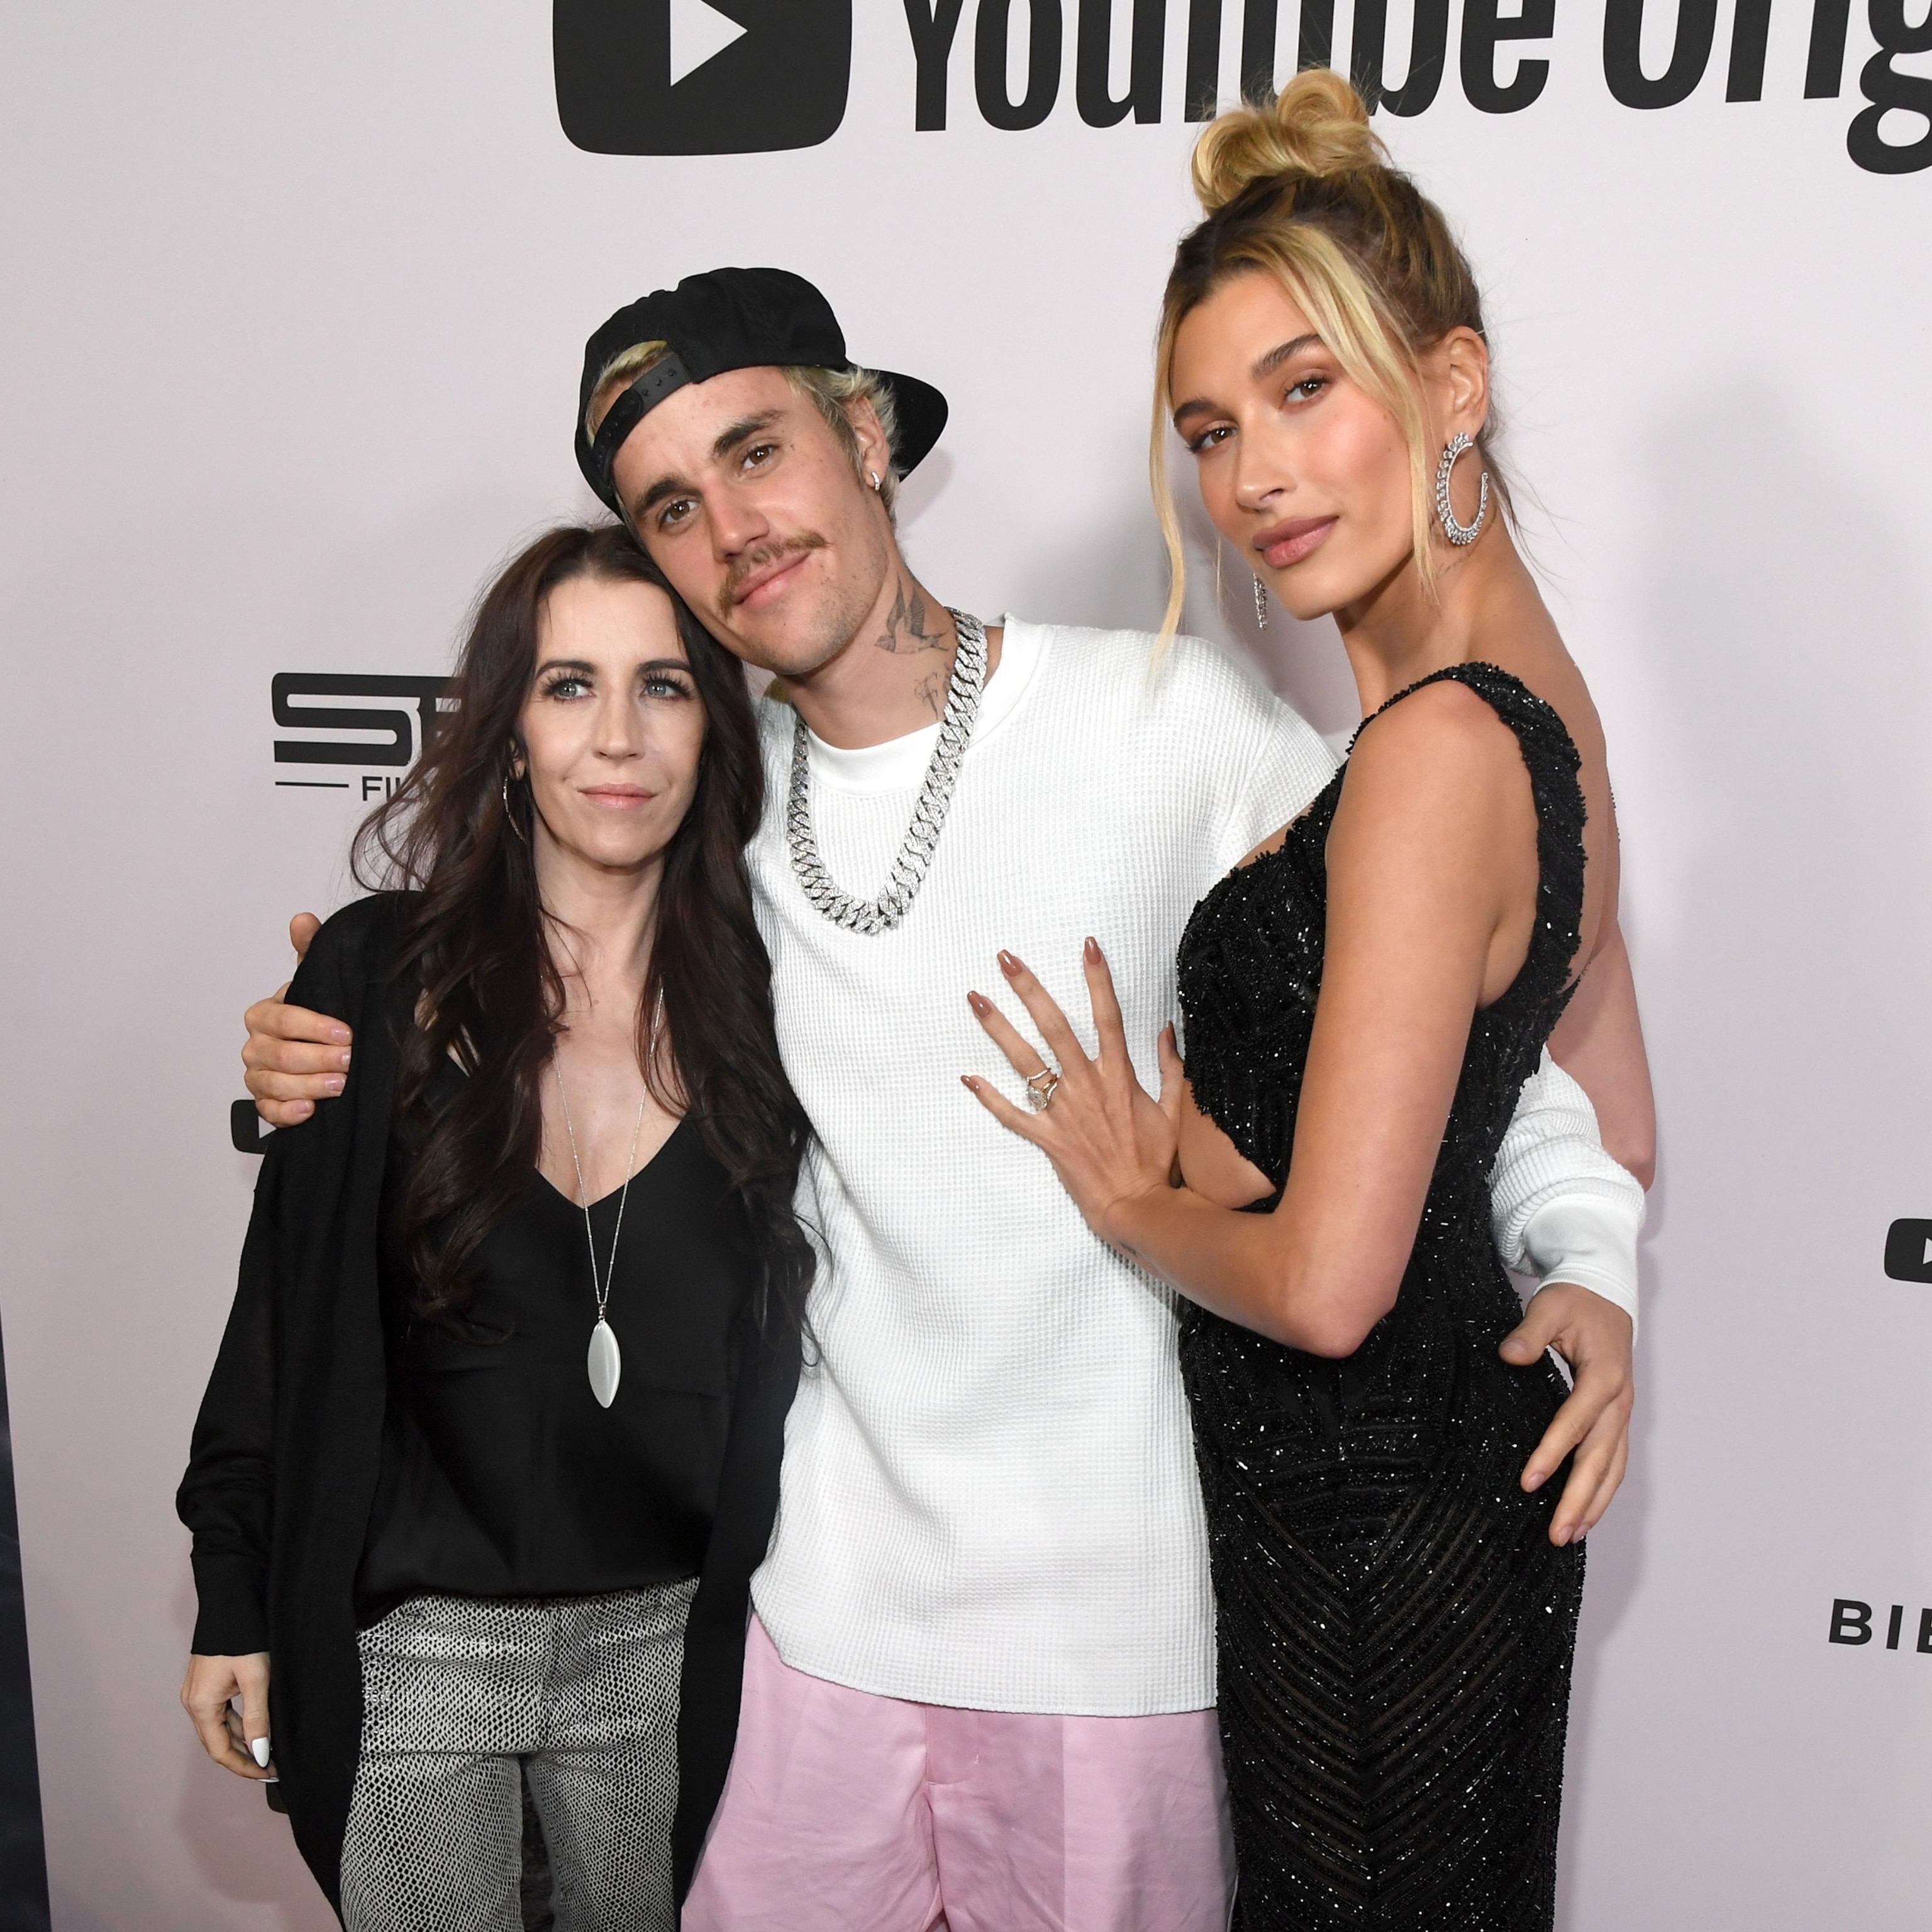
(1261, 603)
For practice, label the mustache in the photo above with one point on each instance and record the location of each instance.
(754, 561)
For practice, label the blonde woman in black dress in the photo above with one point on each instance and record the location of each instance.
(1398, 1577)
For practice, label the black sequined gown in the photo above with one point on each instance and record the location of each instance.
(1395, 1627)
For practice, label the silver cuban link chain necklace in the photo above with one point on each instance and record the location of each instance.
(935, 796)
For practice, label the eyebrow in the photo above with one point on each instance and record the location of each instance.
(665, 486)
(1276, 357)
(1282, 353)
(722, 445)
(584, 664)
(728, 440)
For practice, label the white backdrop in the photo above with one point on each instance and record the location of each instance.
(295, 301)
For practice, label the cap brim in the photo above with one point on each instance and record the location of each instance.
(921, 413)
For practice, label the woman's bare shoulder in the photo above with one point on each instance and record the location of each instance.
(1443, 733)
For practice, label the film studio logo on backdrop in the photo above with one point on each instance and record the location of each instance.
(359, 732)
(387, 737)
(750, 76)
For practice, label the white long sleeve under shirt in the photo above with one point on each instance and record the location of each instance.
(988, 1495)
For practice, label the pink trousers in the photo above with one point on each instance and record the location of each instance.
(846, 1812)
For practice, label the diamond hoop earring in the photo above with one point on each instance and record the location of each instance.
(1261, 603)
(1458, 534)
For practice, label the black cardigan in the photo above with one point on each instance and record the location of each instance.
(282, 1469)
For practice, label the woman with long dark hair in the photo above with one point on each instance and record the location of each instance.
(491, 1449)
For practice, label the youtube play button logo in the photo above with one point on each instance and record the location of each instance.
(700, 77)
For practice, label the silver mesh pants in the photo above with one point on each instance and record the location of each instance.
(458, 1694)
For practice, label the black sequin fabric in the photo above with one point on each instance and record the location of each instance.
(1395, 1627)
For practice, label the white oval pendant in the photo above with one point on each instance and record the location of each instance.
(606, 1364)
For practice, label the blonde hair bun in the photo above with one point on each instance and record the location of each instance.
(1316, 126)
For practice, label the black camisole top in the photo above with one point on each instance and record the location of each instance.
(501, 1475)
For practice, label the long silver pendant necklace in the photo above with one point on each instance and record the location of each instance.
(605, 1363)
(935, 796)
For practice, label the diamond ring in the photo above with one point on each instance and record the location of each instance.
(1040, 1088)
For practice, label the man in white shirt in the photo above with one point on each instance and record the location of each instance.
(979, 1686)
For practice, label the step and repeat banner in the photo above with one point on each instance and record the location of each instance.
(295, 303)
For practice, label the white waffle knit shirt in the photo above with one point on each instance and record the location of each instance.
(988, 1496)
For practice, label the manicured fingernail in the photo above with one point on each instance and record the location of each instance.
(343, 1063)
(333, 1083)
(980, 1004)
(1532, 1479)
(301, 1109)
(339, 1035)
(259, 1746)
(1093, 948)
(1008, 964)
(967, 1081)
(1562, 1537)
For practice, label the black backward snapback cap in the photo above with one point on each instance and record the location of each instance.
(732, 319)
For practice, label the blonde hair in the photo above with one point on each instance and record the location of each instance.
(616, 377)
(1301, 189)
(835, 392)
